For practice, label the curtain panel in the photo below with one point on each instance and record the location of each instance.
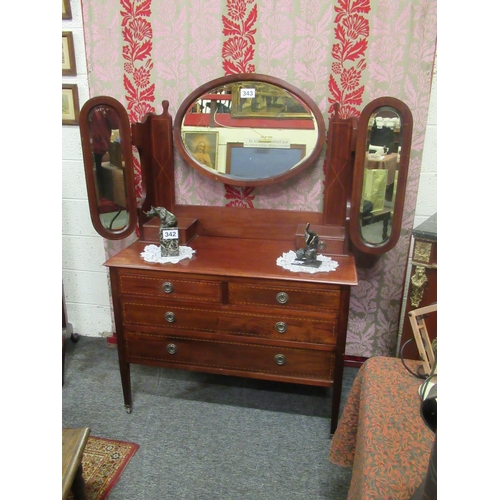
(142, 52)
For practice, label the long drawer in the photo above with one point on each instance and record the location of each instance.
(233, 357)
(174, 317)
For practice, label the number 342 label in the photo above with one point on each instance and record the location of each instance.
(170, 234)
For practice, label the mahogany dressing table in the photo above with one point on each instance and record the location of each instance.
(230, 309)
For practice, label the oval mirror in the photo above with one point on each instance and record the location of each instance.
(107, 157)
(249, 130)
(380, 172)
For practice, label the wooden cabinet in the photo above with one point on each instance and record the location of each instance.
(220, 312)
(422, 289)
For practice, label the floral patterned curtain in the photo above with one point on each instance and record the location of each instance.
(349, 51)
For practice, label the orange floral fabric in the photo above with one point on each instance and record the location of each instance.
(381, 434)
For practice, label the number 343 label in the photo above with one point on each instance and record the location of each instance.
(247, 93)
(170, 234)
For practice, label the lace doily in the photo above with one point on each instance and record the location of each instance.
(152, 253)
(285, 261)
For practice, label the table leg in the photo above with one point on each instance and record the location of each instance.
(78, 486)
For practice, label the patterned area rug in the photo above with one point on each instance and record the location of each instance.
(103, 462)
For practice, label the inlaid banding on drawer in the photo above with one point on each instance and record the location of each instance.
(280, 361)
(285, 297)
(171, 287)
(294, 328)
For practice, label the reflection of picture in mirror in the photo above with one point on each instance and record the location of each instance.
(203, 147)
(266, 101)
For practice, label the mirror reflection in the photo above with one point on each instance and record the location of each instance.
(382, 155)
(248, 130)
(109, 167)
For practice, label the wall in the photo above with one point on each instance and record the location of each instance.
(85, 279)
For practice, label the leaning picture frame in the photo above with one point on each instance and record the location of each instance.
(68, 54)
(70, 104)
(66, 9)
(203, 147)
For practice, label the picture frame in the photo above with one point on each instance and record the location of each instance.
(70, 104)
(256, 162)
(203, 147)
(265, 101)
(68, 54)
(66, 10)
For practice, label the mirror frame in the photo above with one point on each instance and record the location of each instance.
(245, 77)
(359, 166)
(88, 161)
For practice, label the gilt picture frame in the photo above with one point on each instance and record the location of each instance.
(70, 104)
(263, 100)
(66, 10)
(68, 54)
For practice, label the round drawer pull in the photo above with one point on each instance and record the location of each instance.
(280, 327)
(282, 297)
(168, 287)
(171, 348)
(280, 359)
(170, 316)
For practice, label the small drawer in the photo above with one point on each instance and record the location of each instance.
(171, 286)
(230, 357)
(285, 296)
(320, 329)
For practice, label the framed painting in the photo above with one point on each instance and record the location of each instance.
(262, 100)
(70, 105)
(68, 54)
(66, 9)
(203, 147)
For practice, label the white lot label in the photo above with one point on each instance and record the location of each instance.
(170, 234)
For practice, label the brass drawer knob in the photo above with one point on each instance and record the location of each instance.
(280, 327)
(282, 297)
(170, 316)
(280, 359)
(168, 287)
(171, 348)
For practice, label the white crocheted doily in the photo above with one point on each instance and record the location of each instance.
(287, 259)
(152, 253)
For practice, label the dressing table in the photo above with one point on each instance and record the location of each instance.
(230, 309)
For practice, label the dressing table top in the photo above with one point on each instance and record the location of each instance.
(235, 257)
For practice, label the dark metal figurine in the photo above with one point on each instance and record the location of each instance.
(168, 232)
(308, 256)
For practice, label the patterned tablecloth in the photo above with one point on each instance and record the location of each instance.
(381, 434)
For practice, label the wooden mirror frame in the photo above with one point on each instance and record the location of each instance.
(359, 166)
(88, 160)
(248, 77)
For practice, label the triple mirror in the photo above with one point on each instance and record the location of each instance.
(252, 130)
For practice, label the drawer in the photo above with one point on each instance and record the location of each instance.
(173, 317)
(232, 357)
(171, 286)
(286, 296)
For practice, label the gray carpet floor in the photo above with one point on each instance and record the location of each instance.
(206, 437)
